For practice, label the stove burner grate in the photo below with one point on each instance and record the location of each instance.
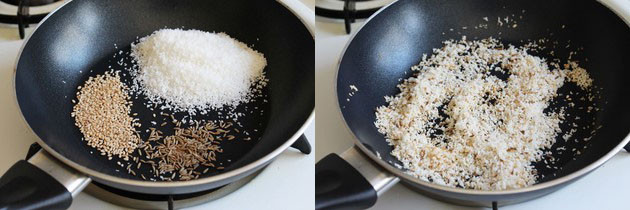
(30, 2)
(349, 13)
(22, 17)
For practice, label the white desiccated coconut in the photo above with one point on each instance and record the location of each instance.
(191, 70)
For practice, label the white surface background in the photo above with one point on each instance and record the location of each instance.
(287, 183)
(605, 188)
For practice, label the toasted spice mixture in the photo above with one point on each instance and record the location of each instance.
(578, 75)
(475, 115)
(102, 114)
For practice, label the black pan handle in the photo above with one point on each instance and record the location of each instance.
(40, 183)
(24, 186)
(349, 181)
(302, 145)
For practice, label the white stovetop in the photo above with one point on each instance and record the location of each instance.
(605, 188)
(287, 183)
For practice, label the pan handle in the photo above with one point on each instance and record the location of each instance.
(349, 181)
(302, 144)
(42, 182)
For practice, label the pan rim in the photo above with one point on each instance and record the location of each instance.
(243, 170)
(408, 178)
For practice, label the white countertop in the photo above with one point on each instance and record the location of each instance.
(605, 188)
(287, 183)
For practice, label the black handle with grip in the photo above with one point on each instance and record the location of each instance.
(338, 185)
(25, 186)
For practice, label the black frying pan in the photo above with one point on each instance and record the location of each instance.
(77, 41)
(395, 39)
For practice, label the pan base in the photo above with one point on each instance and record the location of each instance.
(149, 201)
(480, 200)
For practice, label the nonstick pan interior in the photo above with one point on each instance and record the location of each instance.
(79, 40)
(383, 51)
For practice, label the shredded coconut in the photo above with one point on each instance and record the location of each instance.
(191, 70)
(475, 115)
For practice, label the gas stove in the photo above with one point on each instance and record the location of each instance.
(348, 11)
(605, 188)
(23, 13)
(147, 201)
(261, 190)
